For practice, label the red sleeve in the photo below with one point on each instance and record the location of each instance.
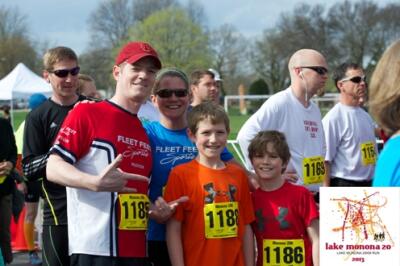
(246, 204)
(309, 209)
(74, 138)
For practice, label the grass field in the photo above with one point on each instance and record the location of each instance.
(236, 122)
(18, 117)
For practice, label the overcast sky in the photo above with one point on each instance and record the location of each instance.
(64, 22)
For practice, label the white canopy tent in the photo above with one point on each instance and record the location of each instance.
(21, 82)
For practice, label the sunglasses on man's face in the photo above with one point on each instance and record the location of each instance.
(62, 73)
(356, 79)
(168, 93)
(319, 69)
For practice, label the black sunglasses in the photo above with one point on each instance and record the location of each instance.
(356, 79)
(320, 70)
(62, 73)
(168, 93)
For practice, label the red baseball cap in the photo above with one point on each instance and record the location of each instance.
(134, 51)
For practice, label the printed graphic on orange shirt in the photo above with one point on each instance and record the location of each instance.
(221, 212)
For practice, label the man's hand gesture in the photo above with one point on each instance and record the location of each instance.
(114, 179)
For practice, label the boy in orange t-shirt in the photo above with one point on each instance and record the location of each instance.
(213, 227)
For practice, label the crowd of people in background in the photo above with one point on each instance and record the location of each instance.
(145, 177)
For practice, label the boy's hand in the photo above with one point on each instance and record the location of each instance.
(22, 187)
(253, 183)
(114, 179)
(161, 210)
(291, 176)
(5, 167)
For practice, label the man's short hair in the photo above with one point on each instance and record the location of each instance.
(340, 72)
(207, 110)
(199, 74)
(57, 54)
(258, 145)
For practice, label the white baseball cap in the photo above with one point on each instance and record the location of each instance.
(217, 77)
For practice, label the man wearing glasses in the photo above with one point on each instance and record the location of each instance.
(290, 111)
(349, 131)
(61, 70)
(103, 155)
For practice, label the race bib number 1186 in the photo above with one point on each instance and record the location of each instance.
(279, 252)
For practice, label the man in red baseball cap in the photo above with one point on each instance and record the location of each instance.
(134, 51)
(103, 156)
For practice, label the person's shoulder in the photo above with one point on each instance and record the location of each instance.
(234, 167)
(187, 166)
(38, 112)
(333, 113)
(273, 104)
(280, 99)
(4, 122)
(295, 189)
(151, 126)
(90, 105)
(280, 96)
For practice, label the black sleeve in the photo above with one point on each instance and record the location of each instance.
(12, 155)
(35, 151)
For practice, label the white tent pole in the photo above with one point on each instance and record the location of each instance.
(12, 112)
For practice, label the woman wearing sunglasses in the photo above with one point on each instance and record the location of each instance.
(385, 107)
(170, 146)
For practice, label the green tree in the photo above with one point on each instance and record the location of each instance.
(98, 64)
(179, 42)
(269, 62)
(304, 27)
(258, 87)
(144, 8)
(229, 49)
(15, 45)
(110, 22)
(348, 31)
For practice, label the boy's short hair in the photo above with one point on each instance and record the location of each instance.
(207, 110)
(199, 74)
(258, 145)
(57, 54)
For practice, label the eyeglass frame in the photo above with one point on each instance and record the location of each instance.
(179, 93)
(317, 69)
(362, 78)
(73, 71)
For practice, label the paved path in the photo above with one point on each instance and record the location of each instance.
(21, 259)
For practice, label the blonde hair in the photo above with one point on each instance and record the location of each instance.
(57, 54)
(82, 78)
(384, 90)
